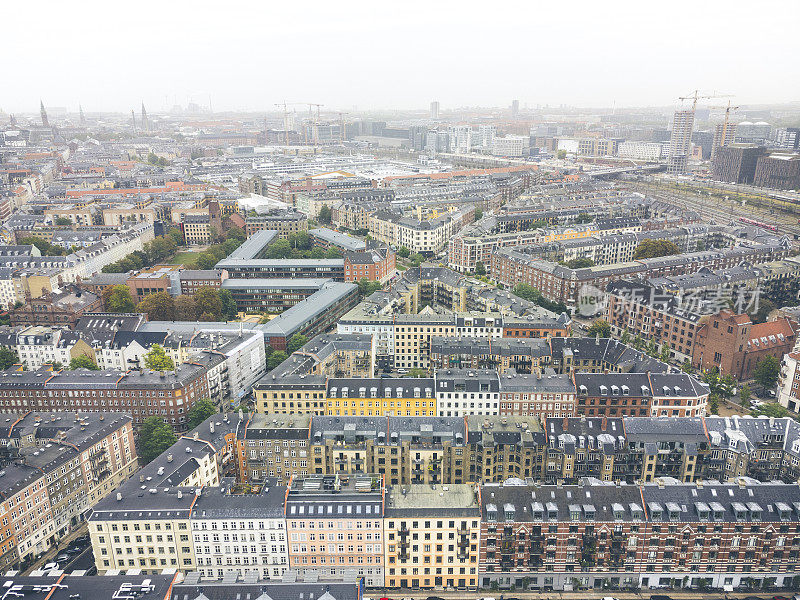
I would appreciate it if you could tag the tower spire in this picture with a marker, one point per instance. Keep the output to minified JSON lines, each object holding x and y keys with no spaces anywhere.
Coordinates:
{"x":81,"y":117}
{"x":145,"y":122}
{"x":133,"y":118}
{"x":43,"y":112}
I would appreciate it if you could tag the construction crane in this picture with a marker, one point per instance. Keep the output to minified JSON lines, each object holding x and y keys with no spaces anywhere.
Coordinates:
{"x":723,"y":139}
{"x":285,"y":106}
{"x":696,"y":96}
{"x":314,"y":123}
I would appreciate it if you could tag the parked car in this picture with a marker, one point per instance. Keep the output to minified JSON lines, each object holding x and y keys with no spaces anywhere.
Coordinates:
{"x":50,"y":566}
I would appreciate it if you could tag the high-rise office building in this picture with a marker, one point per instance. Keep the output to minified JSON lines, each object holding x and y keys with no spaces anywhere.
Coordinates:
{"x":435,"y":109}
{"x":788,"y":138}
{"x":735,"y":163}
{"x":680,"y":141}
{"x":515,"y":109}
{"x":779,"y":170}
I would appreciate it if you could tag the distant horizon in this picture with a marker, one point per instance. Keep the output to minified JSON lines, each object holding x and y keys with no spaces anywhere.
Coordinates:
{"x":250,"y":56}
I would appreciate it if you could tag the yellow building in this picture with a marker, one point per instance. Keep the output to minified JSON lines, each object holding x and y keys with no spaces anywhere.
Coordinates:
{"x":432,"y":535}
{"x":291,"y":395}
{"x":406,"y":397}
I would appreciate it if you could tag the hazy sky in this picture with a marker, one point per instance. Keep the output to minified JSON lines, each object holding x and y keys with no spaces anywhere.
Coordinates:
{"x":383,"y":54}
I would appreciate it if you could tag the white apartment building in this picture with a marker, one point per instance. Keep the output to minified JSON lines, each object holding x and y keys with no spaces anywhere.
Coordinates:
{"x":242,"y":533}
{"x":789,"y":382}
{"x":463,"y":392}
{"x":642,"y":150}
{"x":38,"y":345}
{"x":510,"y":145}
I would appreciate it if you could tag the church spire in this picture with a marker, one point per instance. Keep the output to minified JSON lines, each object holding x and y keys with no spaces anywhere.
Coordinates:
{"x":43,"y":112}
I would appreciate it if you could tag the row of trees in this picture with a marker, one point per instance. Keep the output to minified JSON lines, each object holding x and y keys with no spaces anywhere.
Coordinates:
{"x":299,"y":245}
{"x":530,"y":293}
{"x":234,"y":237}
{"x":152,"y":252}
{"x":415,"y":259}
{"x":207,"y":304}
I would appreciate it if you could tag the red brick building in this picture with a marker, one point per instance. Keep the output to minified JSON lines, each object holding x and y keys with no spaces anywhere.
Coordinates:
{"x":60,"y":309}
{"x":735,"y":345}
{"x":377,"y":264}
{"x":140,"y":394}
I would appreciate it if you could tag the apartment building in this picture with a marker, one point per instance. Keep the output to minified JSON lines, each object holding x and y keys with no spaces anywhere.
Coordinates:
{"x":334,"y":526}
{"x":291,"y":394}
{"x":462,"y":392}
{"x":538,"y":395}
{"x":648,"y":536}
{"x":379,"y":397}
{"x":640,"y":394}
{"x":193,"y":279}
{"x":285,"y":222}
{"x":40,"y":345}
{"x":168,"y":395}
{"x":253,"y":545}
{"x":432,"y":536}
{"x":56,"y":466}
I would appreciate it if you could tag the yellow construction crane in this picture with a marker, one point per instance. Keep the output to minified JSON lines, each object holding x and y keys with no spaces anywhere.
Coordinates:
{"x":285,"y":106}
{"x":723,"y":140}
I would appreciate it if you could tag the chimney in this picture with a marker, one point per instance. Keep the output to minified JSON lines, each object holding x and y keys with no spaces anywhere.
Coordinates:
{"x":604,"y":423}
{"x":566,"y":423}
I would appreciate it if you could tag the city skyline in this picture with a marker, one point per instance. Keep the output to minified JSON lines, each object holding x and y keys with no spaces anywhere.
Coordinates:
{"x":371,"y":58}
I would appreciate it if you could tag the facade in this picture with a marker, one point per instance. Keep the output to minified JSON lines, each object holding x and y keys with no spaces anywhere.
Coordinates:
{"x":377,"y":264}
{"x":141,"y":393}
{"x":56,"y":466}
{"x":335,"y":526}
{"x":680,"y":142}
{"x":735,"y":345}
{"x":191,"y":279}
{"x":285,"y":222}
{"x":736,"y":163}
{"x":779,"y":171}
{"x":61,"y":308}
{"x":432,"y":536}
{"x":461,"y":392}
{"x":379,"y":397}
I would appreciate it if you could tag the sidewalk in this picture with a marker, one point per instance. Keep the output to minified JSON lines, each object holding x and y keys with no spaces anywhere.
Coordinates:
{"x":48,"y":556}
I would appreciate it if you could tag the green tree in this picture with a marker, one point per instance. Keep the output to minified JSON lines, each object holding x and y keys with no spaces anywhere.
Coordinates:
{"x":721,"y":386}
{"x":157,"y":359}
{"x":296,"y":342}
{"x":120,"y":300}
{"x":655,"y":248}
{"x":206,"y":261}
{"x":367,"y":287}
{"x":158,"y":307}
{"x":580,"y":263}
{"x":83,"y":362}
{"x":403,"y":252}
{"x":626,"y":337}
{"x":417,"y":259}
{"x":601,"y":327}
{"x":665,"y":353}
{"x":185,"y":308}
{"x":276,"y":358}
{"x":208,"y":302}
{"x":325,"y":214}
{"x":767,"y":371}
{"x":770,"y":410}
{"x":155,"y":437}
{"x":45,"y":247}
{"x":8,"y":357}
{"x":279,"y":249}
{"x":744,"y":395}
{"x":177,"y":235}
{"x":687,"y":367}
{"x":63,"y":222}
{"x":561,"y":154}
{"x":765,"y":307}
{"x":200,"y":411}
{"x":584,"y":218}
{"x":478,"y":214}
{"x":229,"y":309}
{"x":713,"y":404}
{"x":479,"y":268}
{"x":417,"y":372}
